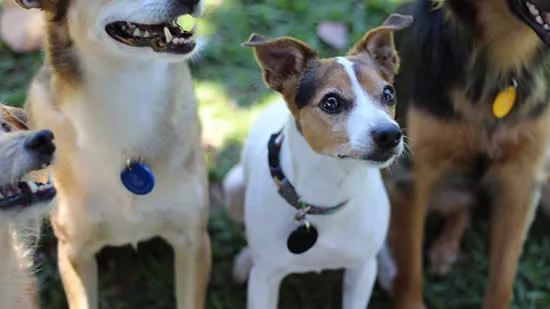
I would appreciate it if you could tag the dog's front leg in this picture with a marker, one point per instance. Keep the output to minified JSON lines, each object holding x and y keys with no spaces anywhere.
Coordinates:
{"x":263,"y":287}
{"x":516,"y":192}
{"x":192,"y":263}
{"x":358,"y":285}
{"x":406,"y":237}
{"x":78,"y":269}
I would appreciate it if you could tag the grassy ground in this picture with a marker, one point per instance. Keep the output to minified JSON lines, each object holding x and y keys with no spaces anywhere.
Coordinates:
{"x":230,"y":91}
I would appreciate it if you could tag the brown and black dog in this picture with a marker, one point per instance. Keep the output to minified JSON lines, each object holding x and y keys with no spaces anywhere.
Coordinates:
{"x":473,"y":96}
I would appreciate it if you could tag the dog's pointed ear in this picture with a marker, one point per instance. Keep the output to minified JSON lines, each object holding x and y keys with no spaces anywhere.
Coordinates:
{"x":379,"y":43}
{"x":281,"y":59}
{"x":30,"y":4}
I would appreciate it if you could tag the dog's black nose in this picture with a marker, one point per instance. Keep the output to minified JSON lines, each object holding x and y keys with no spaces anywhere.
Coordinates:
{"x":386,"y":137}
{"x":41,"y":142}
{"x":189,"y":5}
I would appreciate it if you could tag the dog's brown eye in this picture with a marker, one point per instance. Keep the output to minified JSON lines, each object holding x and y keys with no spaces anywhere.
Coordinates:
{"x":6,"y":127}
{"x":389,"y":95}
{"x":331,"y":104}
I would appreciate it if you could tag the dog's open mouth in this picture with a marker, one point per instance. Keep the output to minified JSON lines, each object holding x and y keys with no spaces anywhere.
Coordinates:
{"x":167,"y":37}
{"x":536,"y":14}
{"x":26,"y":194}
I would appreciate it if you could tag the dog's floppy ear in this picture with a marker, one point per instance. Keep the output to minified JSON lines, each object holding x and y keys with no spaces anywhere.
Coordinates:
{"x":379,"y":44}
{"x":281,"y":59}
{"x":30,"y":4}
{"x":17,"y":113}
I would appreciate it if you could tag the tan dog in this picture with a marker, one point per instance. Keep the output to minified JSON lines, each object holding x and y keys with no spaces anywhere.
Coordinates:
{"x":21,"y":152}
{"x":124,"y":110}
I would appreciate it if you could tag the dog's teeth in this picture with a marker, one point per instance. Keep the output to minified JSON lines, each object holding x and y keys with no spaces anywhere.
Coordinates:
{"x":32,"y":186}
{"x":137,"y":32}
{"x":1,"y":196}
{"x":533,"y":10}
{"x":539,"y":20}
{"x":146,"y":34}
{"x":50,"y":178}
{"x":168,"y":35}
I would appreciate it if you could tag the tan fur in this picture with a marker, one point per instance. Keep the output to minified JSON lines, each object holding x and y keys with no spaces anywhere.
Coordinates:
{"x":90,"y":213}
{"x":515,"y":179}
{"x":21,"y":30}
{"x":444,"y":148}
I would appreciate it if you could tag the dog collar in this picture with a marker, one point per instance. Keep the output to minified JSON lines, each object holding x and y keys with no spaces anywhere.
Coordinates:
{"x":285,"y":188}
{"x":505,"y":100}
{"x":137,"y":178}
{"x":305,"y":235}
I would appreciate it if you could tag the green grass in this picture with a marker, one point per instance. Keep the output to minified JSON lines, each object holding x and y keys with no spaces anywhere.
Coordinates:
{"x":230,"y":90}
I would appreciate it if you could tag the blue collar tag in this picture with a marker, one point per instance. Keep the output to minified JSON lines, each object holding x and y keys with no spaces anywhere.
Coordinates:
{"x":138,"y":178}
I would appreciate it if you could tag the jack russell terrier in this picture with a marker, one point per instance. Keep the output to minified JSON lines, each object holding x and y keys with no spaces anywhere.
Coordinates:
{"x":22,"y":152}
{"x":309,"y":177}
{"x":117,"y":92}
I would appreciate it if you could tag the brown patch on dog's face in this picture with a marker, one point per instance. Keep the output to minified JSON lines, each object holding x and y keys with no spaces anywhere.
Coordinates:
{"x":334,"y":133}
{"x":343,"y":105}
{"x":326,"y":132}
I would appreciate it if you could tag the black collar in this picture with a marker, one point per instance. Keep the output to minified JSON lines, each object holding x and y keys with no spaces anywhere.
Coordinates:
{"x":285,"y":188}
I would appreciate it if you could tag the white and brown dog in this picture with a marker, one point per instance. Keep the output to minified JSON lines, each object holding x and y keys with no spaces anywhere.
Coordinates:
{"x":117,"y":92}
{"x":312,"y":193}
{"x":21,"y":153}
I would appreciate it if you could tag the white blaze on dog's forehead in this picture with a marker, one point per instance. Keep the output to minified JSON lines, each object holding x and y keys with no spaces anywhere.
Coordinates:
{"x":356,"y":86}
{"x":365,"y":113}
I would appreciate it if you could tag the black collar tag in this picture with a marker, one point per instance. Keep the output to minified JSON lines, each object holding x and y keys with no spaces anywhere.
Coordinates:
{"x":303,"y":238}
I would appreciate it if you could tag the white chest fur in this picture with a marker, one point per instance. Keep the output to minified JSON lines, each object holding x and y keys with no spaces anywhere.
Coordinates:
{"x":133,"y":111}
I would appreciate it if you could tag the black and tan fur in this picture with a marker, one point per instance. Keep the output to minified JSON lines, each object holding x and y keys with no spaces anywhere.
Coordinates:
{"x":455,"y":59}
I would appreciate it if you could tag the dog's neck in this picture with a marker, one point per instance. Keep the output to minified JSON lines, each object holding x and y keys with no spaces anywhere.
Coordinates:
{"x":319,"y":179}
{"x":132,"y":97}
{"x":114,"y":71}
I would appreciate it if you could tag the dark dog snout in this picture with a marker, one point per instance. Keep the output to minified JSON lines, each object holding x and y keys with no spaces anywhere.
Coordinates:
{"x":386,"y":137}
{"x":188,"y":6}
{"x":41,"y":143}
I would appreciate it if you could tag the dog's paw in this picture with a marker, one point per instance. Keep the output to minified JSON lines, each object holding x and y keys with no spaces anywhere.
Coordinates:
{"x":387,"y":270}
{"x":443,"y":255}
{"x":242,"y":266}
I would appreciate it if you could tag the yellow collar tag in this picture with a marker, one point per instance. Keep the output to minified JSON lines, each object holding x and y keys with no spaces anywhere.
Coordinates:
{"x":504,"y":102}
